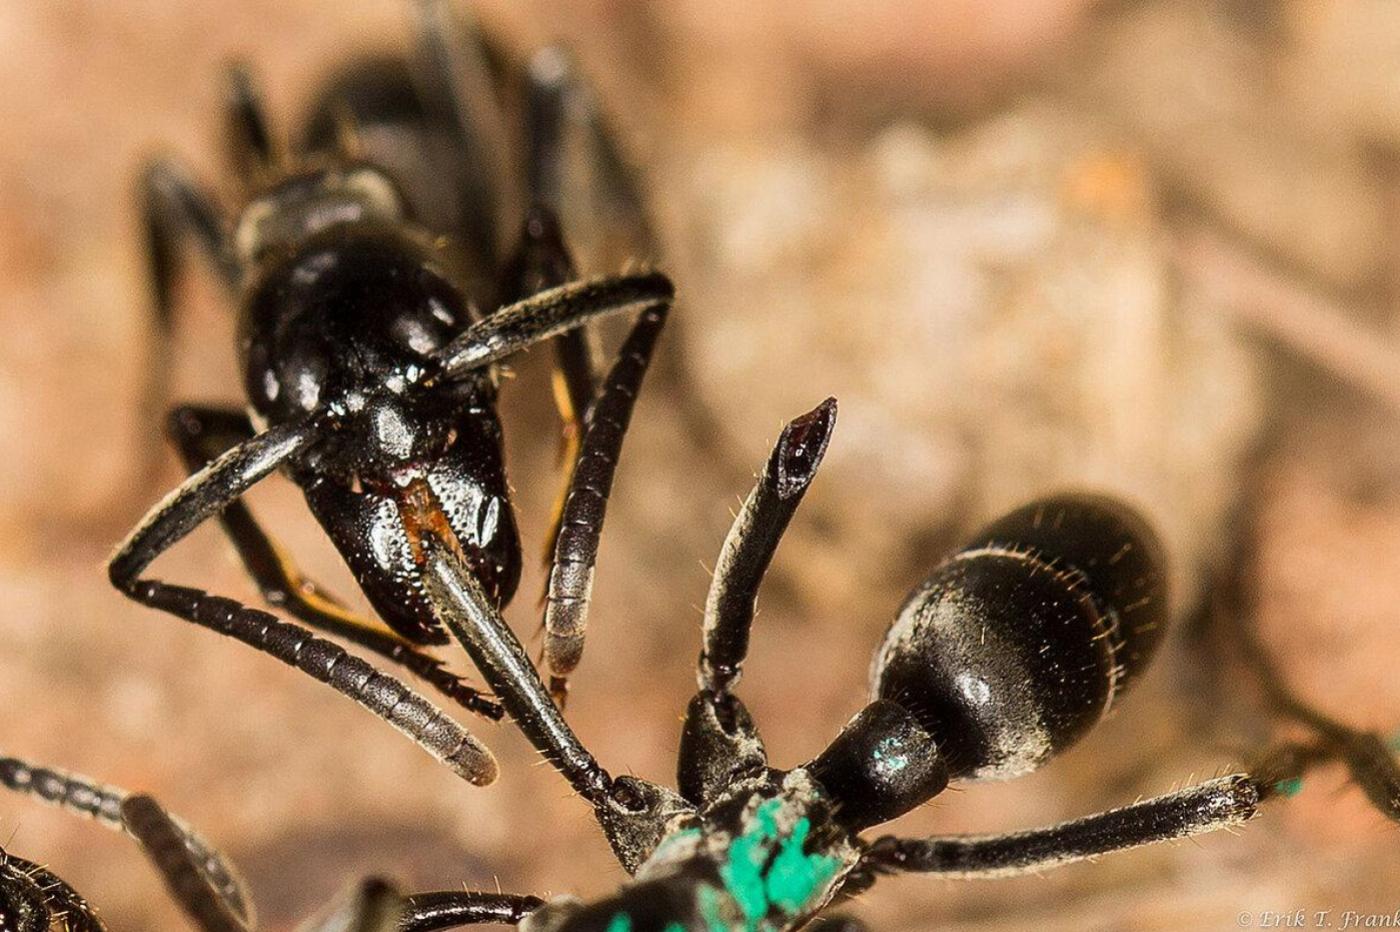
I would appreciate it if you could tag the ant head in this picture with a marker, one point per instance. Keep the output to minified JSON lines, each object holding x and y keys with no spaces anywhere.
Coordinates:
{"x":1019,"y":643}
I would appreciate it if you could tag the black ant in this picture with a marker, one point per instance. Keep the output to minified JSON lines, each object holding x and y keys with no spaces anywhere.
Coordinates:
{"x":370,"y":322}
{"x":372,"y":386}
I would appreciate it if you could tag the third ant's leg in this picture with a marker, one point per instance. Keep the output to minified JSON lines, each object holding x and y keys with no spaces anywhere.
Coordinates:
{"x":1233,"y":603}
{"x":164,"y":844}
{"x":1223,"y":803}
{"x":201,"y":434}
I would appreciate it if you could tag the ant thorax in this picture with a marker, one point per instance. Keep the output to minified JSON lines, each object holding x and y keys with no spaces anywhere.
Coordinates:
{"x":762,"y":857}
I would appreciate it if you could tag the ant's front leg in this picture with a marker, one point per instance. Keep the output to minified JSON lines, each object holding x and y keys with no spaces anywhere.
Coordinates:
{"x":425,"y":912}
{"x":720,"y":742}
{"x":1233,"y":603}
{"x":586,"y":501}
{"x":545,"y":315}
{"x":208,"y":492}
{"x":202,"y":434}
{"x":374,"y":905}
{"x":164,"y":843}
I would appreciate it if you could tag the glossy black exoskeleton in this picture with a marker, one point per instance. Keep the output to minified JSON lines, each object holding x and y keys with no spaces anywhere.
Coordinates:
{"x":368,"y":341}
{"x":1082,"y":577}
{"x":371,"y":294}
{"x":351,"y":322}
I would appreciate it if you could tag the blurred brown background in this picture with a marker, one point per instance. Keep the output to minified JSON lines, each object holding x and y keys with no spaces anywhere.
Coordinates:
{"x":1027,"y":244}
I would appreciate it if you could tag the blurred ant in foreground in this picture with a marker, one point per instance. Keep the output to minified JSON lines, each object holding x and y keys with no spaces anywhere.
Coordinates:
{"x":373,"y":308}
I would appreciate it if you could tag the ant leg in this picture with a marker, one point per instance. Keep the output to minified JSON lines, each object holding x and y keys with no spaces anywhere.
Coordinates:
{"x":555,"y":104}
{"x":497,"y":653}
{"x":174,"y":208}
{"x":453,"y":75}
{"x":103,"y":804}
{"x":164,"y":844}
{"x":558,"y":102}
{"x":374,"y":905}
{"x":429,"y":911}
{"x":548,"y":314}
{"x":208,"y":492}
{"x":424,"y":723}
{"x":1369,"y":758}
{"x":585,"y":505}
{"x":201,"y":434}
{"x":1217,"y":804}
{"x":720,"y":742}
{"x":633,"y":813}
{"x":204,"y":494}
{"x":541,"y":261}
{"x":251,"y":148}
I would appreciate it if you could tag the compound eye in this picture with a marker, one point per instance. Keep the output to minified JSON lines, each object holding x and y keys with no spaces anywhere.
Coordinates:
{"x":1019,"y":643}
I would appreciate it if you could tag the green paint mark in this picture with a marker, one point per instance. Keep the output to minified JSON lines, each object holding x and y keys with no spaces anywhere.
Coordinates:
{"x":795,"y":877}
{"x":712,"y":910}
{"x":673,"y":927}
{"x":1394,"y":742}
{"x":743,"y":873}
{"x":758,"y":880}
{"x":620,"y":923}
{"x":767,"y":817}
{"x":1290,"y":787}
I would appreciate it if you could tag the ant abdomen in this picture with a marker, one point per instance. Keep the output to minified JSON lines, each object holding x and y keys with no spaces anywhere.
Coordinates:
{"x":1020,"y":642}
